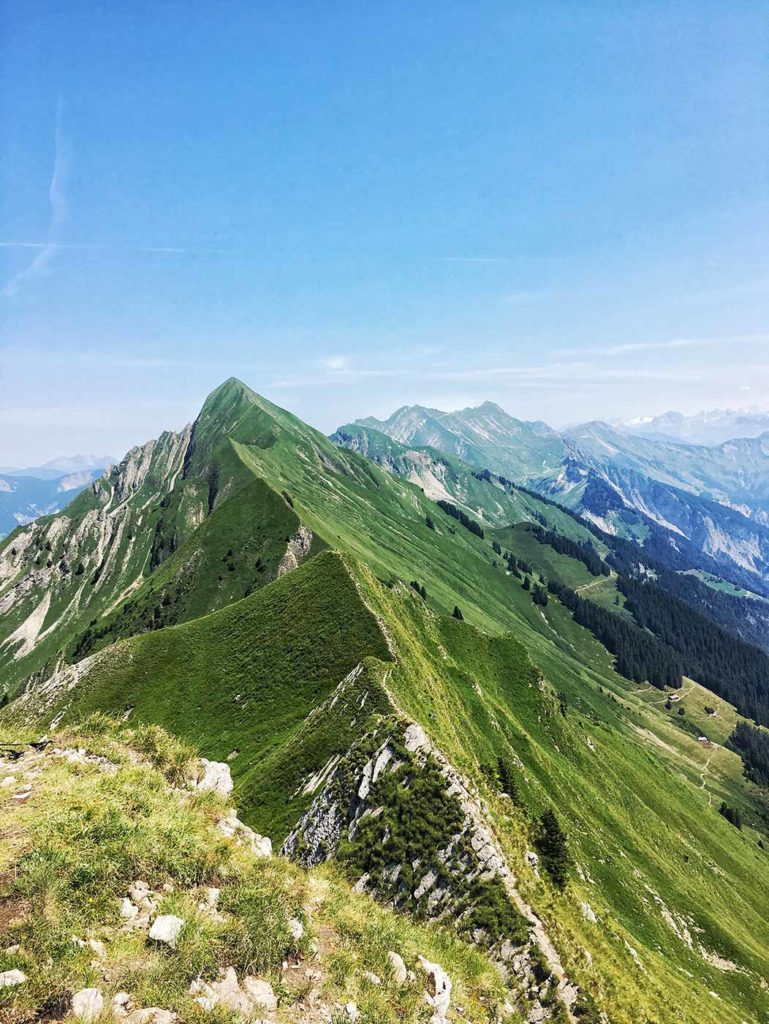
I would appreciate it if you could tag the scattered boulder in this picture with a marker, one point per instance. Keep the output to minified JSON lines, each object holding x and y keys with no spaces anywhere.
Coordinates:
{"x":255,"y":994}
{"x":373,"y":978}
{"x":121,"y":1004}
{"x":10,"y":978}
{"x":296,"y":928}
{"x":233,"y":828}
{"x":87,"y":1004}
{"x":166,"y":928}
{"x":438,"y":992}
{"x":352,"y":1011}
{"x":588,"y":913}
{"x":260,"y":992}
{"x":128,"y":910}
{"x":151,"y":1015}
{"x":216,"y":777}
{"x":400,"y":974}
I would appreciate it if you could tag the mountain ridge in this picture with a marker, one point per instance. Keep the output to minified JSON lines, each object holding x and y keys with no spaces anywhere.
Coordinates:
{"x":295,"y":608}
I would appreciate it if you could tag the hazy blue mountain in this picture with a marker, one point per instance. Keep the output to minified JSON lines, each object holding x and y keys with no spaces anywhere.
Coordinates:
{"x":708,"y":427}
{"x":44,"y":490}
{"x":714,"y":497}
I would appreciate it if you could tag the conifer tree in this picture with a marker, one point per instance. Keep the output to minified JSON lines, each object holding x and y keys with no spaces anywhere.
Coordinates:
{"x":553,"y":848}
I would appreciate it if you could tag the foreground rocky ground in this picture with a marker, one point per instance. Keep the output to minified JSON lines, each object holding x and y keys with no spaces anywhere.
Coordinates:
{"x":130,"y":891}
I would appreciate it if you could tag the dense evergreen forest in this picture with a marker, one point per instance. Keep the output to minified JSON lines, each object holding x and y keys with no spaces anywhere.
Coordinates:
{"x":744,"y":617}
{"x":729,"y":667}
{"x":467,"y":521}
{"x":753,"y":747}
{"x":638,"y":654}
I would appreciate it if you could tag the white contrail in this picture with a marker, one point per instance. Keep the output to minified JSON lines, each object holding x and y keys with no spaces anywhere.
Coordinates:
{"x":58,"y":201}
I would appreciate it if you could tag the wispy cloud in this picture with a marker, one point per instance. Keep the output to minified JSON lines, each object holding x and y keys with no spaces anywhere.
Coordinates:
{"x":170,"y":250}
{"x":58,"y":202}
{"x":555,"y":374}
{"x":631,"y":347}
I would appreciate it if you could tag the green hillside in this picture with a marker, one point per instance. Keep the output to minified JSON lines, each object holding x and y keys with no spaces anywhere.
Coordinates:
{"x":297,"y":671}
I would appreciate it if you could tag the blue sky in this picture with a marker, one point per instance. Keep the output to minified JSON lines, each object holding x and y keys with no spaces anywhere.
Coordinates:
{"x":561,"y":207}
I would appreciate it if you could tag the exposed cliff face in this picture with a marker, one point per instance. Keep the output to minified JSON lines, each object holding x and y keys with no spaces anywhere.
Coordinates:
{"x":412,"y":832}
{"x":57,"y":571}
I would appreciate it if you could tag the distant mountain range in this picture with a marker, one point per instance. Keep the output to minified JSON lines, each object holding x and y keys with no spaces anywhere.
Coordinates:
{"x":715,"y":499}
{"x":43,"y":490}
{"x":711,"y":427}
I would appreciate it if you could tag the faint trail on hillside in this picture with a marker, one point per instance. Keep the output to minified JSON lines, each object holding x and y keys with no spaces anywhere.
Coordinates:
{"x":703,"y":774}
{"x":594,"y":583}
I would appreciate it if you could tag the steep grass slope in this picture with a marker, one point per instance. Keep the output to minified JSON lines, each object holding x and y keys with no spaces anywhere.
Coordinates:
{"x":241,"y":684}
{"x":662,"y":918}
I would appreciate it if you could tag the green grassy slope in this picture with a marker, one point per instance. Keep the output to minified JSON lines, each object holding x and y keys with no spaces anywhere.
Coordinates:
{"x":107,"y":805}
{"x":654,"y":856}
{"x":637,"y":793}
{"x":240,"y":683}
{"x":655,"y":859}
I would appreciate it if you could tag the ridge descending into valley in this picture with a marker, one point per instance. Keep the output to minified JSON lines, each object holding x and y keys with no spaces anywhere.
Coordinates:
{"x":713,"y":499}
{"x":407,"y":689}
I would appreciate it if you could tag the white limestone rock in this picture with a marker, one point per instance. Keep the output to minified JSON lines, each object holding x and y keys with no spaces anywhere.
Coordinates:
{"x":260,"y":993}
{"x":438,"y":992}
{"x":87,"y":1004}
{"x":166,"y":928}
{"x":400,"y":974}
{"x":10,"y":978}
{"x":216,"y":777}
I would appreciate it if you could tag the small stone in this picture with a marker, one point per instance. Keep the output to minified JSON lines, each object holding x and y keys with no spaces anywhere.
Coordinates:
{"x":128,"y":910}
{"x":588,"y":913}
{"x":121,"y":1005}
{"x":438,"y":994}
{"x":230,"y":995}
{"x":260,"y":992}
{"x":98,"y":948}
{"x":373,"y":978}
{"x":151,"y":1015}
{"x":139,"y":891}
{"x":261,"y":845}
{"x":10,"y":950}
{"x":400,"y":974}
{"x":216,"y":777}
{"x":166,"y":929}
{"x":87,"y":1004}
{"x":352,"y":1011}
{"x":10,"y":978}
{"x":296,"y":928}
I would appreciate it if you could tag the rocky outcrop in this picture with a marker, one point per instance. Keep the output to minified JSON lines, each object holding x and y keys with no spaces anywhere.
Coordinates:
{"x":298,"y":549}
{"x":351,"y":809}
